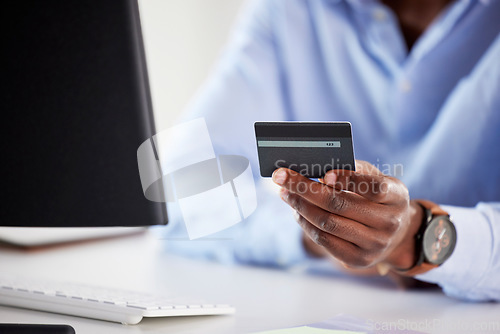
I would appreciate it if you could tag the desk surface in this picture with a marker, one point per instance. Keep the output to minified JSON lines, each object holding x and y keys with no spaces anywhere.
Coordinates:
{"x":264,"y":298}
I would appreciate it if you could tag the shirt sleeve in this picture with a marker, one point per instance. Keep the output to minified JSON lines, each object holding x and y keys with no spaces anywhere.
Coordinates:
{"x":473,"y":270}
{"x":246,"y":86}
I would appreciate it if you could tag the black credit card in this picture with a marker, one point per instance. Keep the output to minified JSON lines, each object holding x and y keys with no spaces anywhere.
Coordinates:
{"x":309,"y":148}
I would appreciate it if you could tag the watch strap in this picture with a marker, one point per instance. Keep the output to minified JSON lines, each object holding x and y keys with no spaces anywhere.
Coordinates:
{"x":432,"y":210}
{"x":436,"y":210}
{"x":419,"y":269}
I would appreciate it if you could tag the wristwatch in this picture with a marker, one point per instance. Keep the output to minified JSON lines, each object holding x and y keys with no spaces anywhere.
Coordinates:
{"x":435,"y":240}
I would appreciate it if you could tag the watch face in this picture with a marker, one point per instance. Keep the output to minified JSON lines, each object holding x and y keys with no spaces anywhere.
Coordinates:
{"x":439,"y":240}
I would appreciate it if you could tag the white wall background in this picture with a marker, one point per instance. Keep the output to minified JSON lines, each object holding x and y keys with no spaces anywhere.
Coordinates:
{"x":183,"y":38}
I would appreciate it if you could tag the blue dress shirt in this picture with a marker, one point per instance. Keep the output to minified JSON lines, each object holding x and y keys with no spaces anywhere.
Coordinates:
{"x":429,"y":116}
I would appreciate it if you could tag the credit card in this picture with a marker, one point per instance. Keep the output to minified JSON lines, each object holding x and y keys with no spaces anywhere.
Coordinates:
{"x":309,"y":148}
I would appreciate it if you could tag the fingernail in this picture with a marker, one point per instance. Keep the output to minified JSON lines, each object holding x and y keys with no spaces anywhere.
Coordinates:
{"x":330,"y":178}
{"x":279,"y":176}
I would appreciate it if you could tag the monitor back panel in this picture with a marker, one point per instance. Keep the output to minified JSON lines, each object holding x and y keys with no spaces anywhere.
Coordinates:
{"x":76,"y":106}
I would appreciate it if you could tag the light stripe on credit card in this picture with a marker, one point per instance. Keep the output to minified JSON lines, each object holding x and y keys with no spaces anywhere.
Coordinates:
{"x":297,"y":143}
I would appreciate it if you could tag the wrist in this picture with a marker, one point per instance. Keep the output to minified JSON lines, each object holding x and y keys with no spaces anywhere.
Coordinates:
{"x":435,"y":240}
{"x":404,"y":256}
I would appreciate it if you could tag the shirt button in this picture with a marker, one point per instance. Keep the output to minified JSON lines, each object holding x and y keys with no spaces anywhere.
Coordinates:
{"x":379,"y":14}
{"x":405,"y":86}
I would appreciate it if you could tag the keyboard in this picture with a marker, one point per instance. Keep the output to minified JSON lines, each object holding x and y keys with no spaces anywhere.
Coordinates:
{"x":126,"y":307}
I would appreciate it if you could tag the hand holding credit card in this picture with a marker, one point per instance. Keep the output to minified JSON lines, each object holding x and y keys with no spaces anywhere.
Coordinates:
{"x":309,"y":148}
{"x":362,"y":218}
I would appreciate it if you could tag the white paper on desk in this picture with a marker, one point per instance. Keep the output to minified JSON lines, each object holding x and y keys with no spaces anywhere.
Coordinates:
{"x":340,"y":324}
{"x":356,"y":325}
{"x":308,"y":330}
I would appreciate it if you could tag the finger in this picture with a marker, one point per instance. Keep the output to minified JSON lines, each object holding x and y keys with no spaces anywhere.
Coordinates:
{"x":376,"y":188}
{"x":364,"y":167}
{"x":345,"y":204}
{"x":342,"y":250}
{"x":344,"y":228}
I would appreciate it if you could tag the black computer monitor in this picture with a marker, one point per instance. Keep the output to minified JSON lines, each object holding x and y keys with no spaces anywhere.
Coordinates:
{"x":76,"y":106}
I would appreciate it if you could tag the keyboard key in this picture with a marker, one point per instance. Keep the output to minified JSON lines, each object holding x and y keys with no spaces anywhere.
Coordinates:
{"x":110,"y":304}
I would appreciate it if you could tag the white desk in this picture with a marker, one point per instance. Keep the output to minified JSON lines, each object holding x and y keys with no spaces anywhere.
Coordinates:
{"x":264,"y":298}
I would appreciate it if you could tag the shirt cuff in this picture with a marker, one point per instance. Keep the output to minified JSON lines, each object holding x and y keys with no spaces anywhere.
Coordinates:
{"x":470,"y":260}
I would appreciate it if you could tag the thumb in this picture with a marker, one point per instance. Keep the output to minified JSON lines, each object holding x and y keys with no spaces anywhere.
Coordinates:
{"x":364,"y":167}
{"x":335,"y":176}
